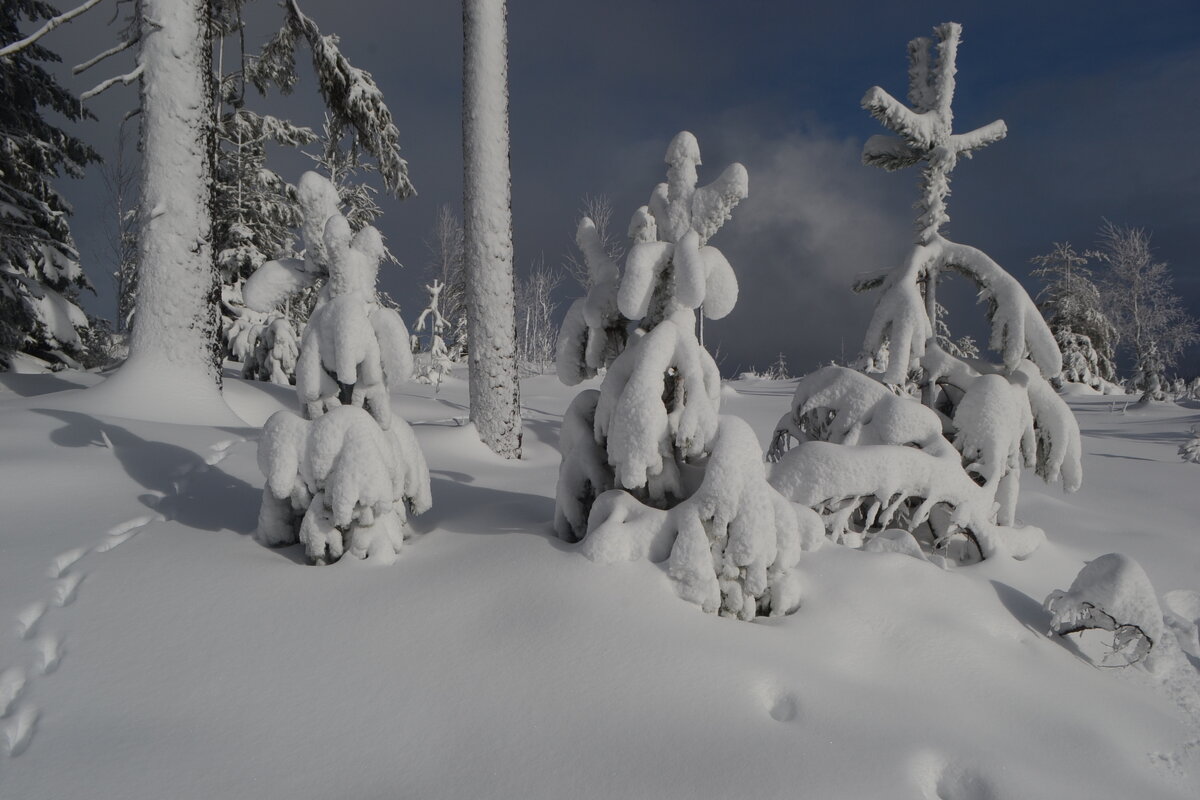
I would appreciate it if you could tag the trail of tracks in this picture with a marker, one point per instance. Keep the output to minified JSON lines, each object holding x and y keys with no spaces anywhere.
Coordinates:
{"x":18,"y":718}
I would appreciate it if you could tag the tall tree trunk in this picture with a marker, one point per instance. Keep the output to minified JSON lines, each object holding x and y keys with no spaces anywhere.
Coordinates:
{"x":171,"y":372}
{"x":495,"y":389}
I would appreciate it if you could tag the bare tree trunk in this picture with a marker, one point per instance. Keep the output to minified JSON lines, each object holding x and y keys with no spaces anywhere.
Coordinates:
{"x":495,"y":389}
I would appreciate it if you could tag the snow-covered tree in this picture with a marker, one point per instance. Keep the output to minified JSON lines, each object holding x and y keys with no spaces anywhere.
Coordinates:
{"x":1150,"y":319}
{"x":445,"y":244}
{"x":1073,"y":309}
{"x":254,"y":209}
{"x":40,"y":276}
{"x":351,"y":95}
{"x":649,"y":467}
{"x":999,"y":417}
{"x":437,"y":363}
{"x":343,"y":478}
{"x":1190,"y":449}
{"x":495,"y":389}
{"x":598,"y":208}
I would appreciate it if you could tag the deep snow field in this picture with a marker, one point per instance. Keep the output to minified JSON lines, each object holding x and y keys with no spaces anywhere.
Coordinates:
{"x":151,"y":649}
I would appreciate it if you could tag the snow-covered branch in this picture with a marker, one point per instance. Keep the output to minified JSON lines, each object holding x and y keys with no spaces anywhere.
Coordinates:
{"x":127,"y":78}
{"x":50,"y":25}
{"x":112,"y":51}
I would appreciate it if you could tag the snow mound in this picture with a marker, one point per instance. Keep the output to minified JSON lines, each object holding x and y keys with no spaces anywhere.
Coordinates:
{"x":1110,"y":593}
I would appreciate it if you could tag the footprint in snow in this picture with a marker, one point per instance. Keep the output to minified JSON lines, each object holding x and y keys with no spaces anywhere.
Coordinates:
{"x":782,"y":705}
{"x":49,"y":654}
{"x":18,"y":731}
{"x":65,"y":561}
{"x":66,"y":587}
{"x":941,"y":779}
{"x":12,"y":684}
{"x":28,"y":619}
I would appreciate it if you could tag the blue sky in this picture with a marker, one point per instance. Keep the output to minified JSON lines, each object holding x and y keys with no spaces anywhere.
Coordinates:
{"x":1101,"y":101}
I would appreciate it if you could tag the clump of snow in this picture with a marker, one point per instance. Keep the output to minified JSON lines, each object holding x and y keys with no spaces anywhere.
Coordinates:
{"x":1190,"y":450}
{"x":844,"y":406}
{"x":584,"y":473}
{"x":594,"y":330}
{"x":730,"y":548}
{"x":1111,"y":593}
{"x":340,"y":484}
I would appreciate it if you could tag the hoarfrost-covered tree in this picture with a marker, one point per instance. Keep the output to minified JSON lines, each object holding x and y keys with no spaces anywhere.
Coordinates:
{"x":1150,"y":319}
{"x":446,"y":266}
{"x":436,"y":363}
{"x":40,"y":276}
{"x":1073,"y":309}
{"x":997,"y":417}
{"x":649,"y":467}
{"x":344,"y":477}
{"x":495,"y":389}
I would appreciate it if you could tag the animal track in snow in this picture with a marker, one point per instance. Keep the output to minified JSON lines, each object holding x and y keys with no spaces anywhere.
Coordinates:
{"x":49,"y":653}
{"x":64,"y":561}
{"x":785,"y":708}
{"x":19,"y":730}
{"x":19,"y":727}
{"x":941,"y":779}
{"x":28,"y":619}
{"x":782,"y":705}
{"x":12,"y":684}
{"x":66,"y":587}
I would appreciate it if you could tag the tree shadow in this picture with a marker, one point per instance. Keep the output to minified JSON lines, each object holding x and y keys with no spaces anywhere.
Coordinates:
{"x":461,"y":506}
{"x":1025,"y":609}
{"x":181,"y":486}
{"x":37,"y":384}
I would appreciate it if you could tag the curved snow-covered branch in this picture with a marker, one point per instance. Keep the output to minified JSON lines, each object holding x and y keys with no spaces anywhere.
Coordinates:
{"x":916,"y":129}
{"x":112,"y":51}
{"x":1017,"y":325}
{"x":126,"y":79}
{"x":50,"y":25}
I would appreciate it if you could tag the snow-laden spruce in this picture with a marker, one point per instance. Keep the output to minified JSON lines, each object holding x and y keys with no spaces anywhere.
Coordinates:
{"x":1111,"y":593}
{"x":952,"y":467}
{"x":340,"y":484}
{"x":40,"y":275}
{"x":649,"y":469}
{"x":343,"y":478}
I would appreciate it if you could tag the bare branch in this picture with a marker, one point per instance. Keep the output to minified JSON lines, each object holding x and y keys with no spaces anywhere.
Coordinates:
{"x":50,"y":25}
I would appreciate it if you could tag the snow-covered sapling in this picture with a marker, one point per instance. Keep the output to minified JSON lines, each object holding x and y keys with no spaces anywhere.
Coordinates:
{"x":1190,"y":450}
{"x":999,"y":417}
{"x":649,"y":468}
{"x":1111,"y":593}
{"x":438,"y":363}
{"x":340,"y":484}
{"x":344,"y":477}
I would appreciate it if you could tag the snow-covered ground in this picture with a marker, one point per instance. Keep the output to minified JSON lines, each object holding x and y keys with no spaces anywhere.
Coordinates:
{"x":153,"y":650}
